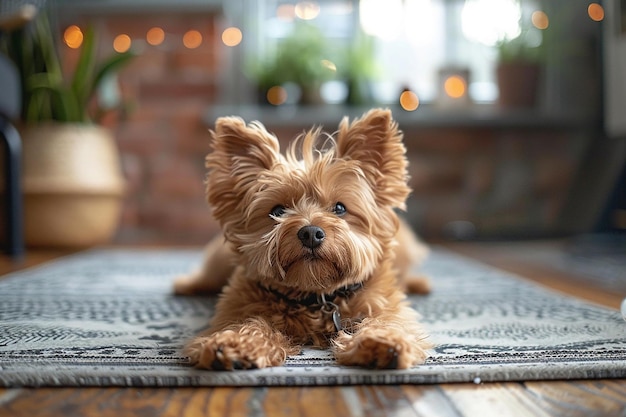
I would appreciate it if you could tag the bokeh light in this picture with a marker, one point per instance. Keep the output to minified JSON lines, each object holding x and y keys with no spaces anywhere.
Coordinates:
{"x":409,"y":100}
{"x":73,"y":37}
{"x":329,"y":65}
{"x":155,"y":36}
{"x":122,"y":43}
{"x":232,"y":36}
{"x":540,"y":20}
{"x":276,"y":95}
{"x":596,"y":12}
{"x":455,"y":86}
{"x":307,"y":10}
{"x":192,"y":39}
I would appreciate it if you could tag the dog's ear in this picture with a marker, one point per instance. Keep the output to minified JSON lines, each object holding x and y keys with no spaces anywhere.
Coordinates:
{"x":376,"y":142}
{"x":240,"y":153}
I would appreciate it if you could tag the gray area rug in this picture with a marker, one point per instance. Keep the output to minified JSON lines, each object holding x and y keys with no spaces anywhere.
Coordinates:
{"x":107,"y":318}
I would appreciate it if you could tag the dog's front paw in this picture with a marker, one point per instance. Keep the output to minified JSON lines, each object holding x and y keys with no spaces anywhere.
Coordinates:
{"x":184,"y":285}
{"x":243,"y":348}
{"x":380,"y":348}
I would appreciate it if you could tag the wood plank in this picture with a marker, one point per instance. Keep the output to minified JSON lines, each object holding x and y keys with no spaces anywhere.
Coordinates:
{"x":388,"y":400}
{"x":493,"y":399}
{"x":430,"y":400}
{"x":580,"y":398}
{"x":32,"y":258}
{"x":304,"y":402}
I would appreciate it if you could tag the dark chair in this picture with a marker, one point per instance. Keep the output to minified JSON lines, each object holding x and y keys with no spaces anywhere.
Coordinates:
{"x":10,"y":104}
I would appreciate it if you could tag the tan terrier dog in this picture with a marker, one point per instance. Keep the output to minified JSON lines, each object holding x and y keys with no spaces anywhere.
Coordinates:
{"x":313,"y":252}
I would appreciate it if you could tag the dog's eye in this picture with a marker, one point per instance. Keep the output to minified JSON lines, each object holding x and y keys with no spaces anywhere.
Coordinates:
{"x":339,"y":209}
{"x":277,"y":211}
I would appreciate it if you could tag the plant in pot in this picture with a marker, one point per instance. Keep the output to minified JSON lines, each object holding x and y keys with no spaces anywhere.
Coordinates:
{"x":72,"y":181}
{"x":359,"y":69}
{"x":519,"y":68}
{"x":301,"y":58}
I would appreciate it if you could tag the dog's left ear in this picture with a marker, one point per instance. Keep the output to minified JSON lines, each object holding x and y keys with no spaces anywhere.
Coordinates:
{"x":375,"y":141}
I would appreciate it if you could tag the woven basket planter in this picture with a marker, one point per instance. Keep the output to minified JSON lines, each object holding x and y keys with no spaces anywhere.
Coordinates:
{"x":73,"y":186}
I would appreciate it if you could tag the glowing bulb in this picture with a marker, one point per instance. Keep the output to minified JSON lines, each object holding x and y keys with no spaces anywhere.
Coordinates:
{"x":307,"y":10}
{"x":455,"y":86}
{"x":192,"y":39}
{"x":73,"y":37}
{"x":409,"y":100}
{"x":276,"y":95}
{"x":540,"y":20}
{"x":155,"y":36}
{"x":122,"y":43}
{"x":232,"y":36}
{"x":596,"y":12}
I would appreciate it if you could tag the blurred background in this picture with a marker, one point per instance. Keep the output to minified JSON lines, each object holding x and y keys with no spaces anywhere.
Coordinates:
{"x":513,"y":111}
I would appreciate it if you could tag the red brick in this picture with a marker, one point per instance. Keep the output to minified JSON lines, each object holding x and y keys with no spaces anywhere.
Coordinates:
{"x":435,"y":173}
{"x":177,"y":179}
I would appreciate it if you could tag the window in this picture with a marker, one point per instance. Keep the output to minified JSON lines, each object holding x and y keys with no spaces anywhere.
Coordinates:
{"x":411,"y":41}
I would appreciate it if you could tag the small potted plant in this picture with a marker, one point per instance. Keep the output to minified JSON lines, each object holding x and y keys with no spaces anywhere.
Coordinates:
{"x":359,"y":69}
{"x":518,"y":69}
{"x":300,"y":59}
{"x":72,"y":180}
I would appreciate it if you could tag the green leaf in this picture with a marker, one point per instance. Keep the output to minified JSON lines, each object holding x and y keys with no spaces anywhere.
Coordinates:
{"x":83,"y":74}
{"x":44,"y":39}
{"x":114,"y":63}
{"x":62,"y":100}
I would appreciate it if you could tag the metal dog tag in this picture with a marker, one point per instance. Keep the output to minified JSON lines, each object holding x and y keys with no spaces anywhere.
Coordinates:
{"x":337,"y":319}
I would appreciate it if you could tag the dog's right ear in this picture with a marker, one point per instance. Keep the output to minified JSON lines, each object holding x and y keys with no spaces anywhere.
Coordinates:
{"x":237,"y":145}
{"x":240,"y":153}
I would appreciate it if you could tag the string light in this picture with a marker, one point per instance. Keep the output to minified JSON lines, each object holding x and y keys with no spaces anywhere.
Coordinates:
{"x":73,"y":37}
{"x":232,"y":36}
{"x":540,"y":20}
{"x":455,"y":86}
{"x":307,"y":10}
{"x":192,"y":39}
{"x":122,"y":43}
{"x":155,"y":36}
{"x":595,"y":12}
{"x":409,"y":100}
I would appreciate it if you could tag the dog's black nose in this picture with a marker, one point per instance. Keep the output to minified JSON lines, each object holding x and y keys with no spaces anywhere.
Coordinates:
{"x":311,"y":236}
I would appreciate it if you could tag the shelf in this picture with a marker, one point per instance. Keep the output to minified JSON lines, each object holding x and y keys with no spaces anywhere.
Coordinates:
{"x":425,"y":117}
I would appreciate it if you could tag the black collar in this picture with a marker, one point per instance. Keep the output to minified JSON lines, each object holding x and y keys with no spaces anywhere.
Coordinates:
{"x":311,"y":299}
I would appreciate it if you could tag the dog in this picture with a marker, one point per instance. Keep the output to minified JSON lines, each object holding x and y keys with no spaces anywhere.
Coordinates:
{"x":313,"y":252}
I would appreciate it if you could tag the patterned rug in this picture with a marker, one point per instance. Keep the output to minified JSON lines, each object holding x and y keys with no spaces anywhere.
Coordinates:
{"x":107,"y":318}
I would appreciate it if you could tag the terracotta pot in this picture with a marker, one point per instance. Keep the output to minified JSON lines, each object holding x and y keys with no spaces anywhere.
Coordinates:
{"x":73,"y":186}
{"x":518,"y":83}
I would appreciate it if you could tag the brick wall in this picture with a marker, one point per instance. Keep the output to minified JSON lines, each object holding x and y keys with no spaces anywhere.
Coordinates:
{"x":496,"y":181}
{"x":491,"y":183}
{"x":161,"y":136}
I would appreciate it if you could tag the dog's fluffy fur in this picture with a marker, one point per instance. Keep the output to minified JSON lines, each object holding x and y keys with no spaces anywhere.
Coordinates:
{"x":316,"y":224}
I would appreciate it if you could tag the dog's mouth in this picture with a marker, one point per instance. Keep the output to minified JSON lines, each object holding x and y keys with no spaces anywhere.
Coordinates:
{"x":312,"y":270}
{"x":311,"y":256}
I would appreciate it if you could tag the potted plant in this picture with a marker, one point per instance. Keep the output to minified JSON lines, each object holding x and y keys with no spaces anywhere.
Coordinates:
{"x":299,"y":59}
{"x":359,"y":69}
{"x":518,"y":69}
{"x":72,"y":180}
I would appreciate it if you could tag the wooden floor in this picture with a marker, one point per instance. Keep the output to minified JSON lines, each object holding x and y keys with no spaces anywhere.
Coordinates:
{"x":532,"y":398}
